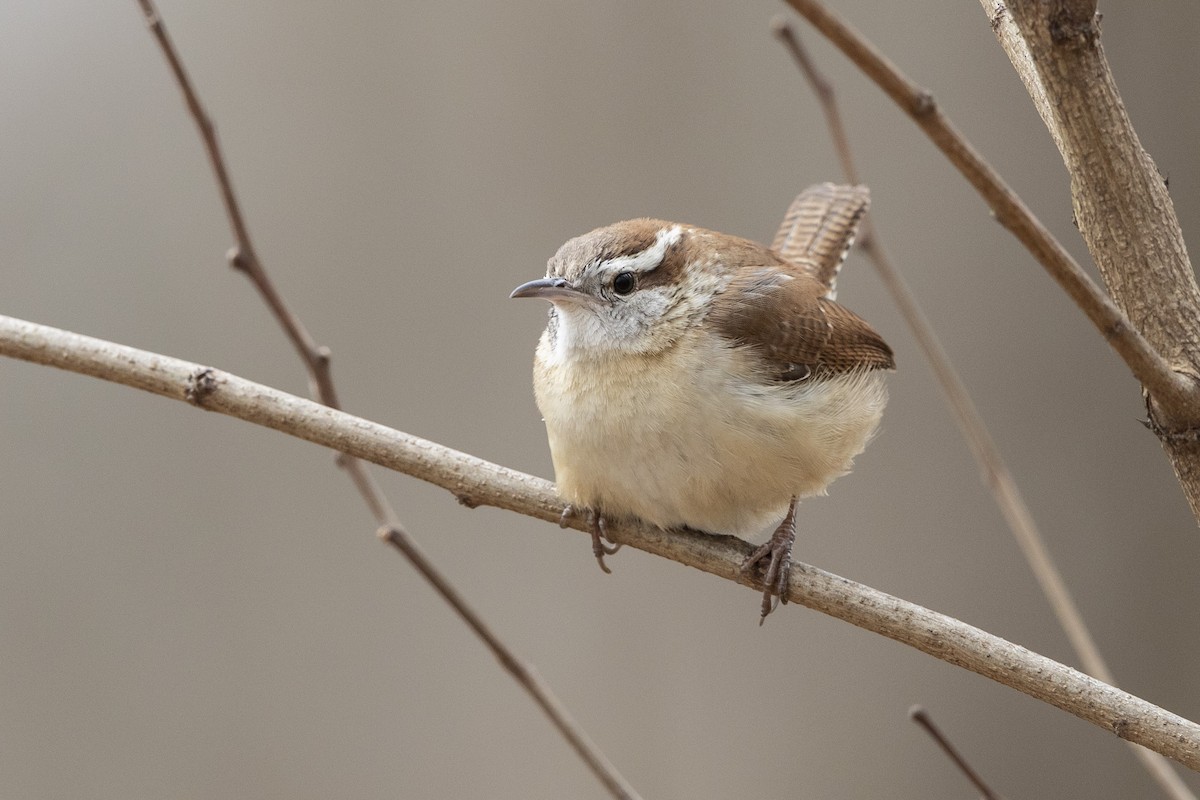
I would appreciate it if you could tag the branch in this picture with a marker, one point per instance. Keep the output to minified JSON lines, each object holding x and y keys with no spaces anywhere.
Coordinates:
{"x":1167,"y":386}
{"x":524,"y":673}
{"x":242,"y":255}
{"x":922,"y":718}
{"x":316,"y":358}
{"x":1121,"y":203}
{"x":477,"y":482}
{"x":997,"y":477}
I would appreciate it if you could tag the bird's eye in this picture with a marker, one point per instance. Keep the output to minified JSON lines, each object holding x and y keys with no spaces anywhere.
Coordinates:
{"x":624,"y":283}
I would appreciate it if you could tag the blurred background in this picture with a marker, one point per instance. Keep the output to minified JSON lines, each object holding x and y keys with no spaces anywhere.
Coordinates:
{"x":191,"y":606}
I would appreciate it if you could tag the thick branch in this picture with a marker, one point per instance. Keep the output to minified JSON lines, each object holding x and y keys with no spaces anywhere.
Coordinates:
{"x":476,"y":482}
{"x":1121,"y":202}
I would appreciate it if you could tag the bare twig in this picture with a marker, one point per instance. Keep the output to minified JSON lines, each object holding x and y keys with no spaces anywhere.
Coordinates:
{"x":525,"y":674}
{"x":1121,"y":203}
{"x":1166,"y":385}
{"x":921,"y":717}
{"x":316,"y":360}
{"x":996,"y":474}
{"x":477,"y":482}
{"x":242,"y":255}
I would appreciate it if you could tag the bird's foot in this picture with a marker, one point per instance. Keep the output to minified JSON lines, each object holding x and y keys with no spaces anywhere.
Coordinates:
{"x":777,"y":553}
{"x":598,"y":529}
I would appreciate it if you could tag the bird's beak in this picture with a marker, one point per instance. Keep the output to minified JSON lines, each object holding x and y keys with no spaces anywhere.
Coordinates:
{"x":550,"y":289}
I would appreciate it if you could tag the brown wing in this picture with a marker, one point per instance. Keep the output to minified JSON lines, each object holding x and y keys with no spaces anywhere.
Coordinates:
{"x":781,"y":311}
{"x":819,"y":229}
{"x":853,"y":344}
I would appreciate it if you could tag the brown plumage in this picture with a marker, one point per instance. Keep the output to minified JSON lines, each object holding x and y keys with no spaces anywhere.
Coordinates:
{"x":785,"y":309}
{"x":819,"y":228}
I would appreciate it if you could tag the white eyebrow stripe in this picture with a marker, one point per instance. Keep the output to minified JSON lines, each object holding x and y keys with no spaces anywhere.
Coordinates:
{"x":652,"y":256}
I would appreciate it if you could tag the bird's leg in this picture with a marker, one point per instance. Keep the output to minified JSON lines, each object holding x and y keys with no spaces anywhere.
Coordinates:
{"x":599,"y":533}
{"x":779,"y":569}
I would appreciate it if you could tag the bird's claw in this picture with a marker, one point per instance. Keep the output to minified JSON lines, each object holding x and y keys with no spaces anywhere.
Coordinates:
{"x":599,"y":531}
{"x":777,"y":552}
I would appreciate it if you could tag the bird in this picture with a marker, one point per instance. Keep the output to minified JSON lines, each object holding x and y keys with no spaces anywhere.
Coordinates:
{"x":697,"y":380}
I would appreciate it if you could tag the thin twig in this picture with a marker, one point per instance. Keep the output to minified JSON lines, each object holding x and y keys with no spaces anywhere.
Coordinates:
{"x":983,"y":447}
{"x":242,"y":256}
{"x":525,"y":674}
{"x":477,"y":482}
{"x":921,"y":717}
{"x":1167,"y":386}
{"x":316,"y":358}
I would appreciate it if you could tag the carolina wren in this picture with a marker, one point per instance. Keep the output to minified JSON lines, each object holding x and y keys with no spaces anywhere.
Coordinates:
{"x":697,"y":380}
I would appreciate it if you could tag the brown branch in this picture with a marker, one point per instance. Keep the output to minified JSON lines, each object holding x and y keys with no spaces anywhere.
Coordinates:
{"x":1121,"y":203}
{"x":997,"y":477}
{"x":242,"y":255}
{"x":477,"y":482}
{"x":1168,"y":387}
{"x":922,"y":718}
{"x":316,"y":358}
{"x":524,"y":672}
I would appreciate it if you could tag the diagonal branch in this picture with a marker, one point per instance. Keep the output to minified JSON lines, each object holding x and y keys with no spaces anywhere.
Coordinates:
{"x":242,"y":255}
{"x":316,"y":360}
{"x":524,"y":673}
{"x":998,"y":478}
{"x":477,"y":482}
{"x":1167,"y":386}
{"x":922,"y":718}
